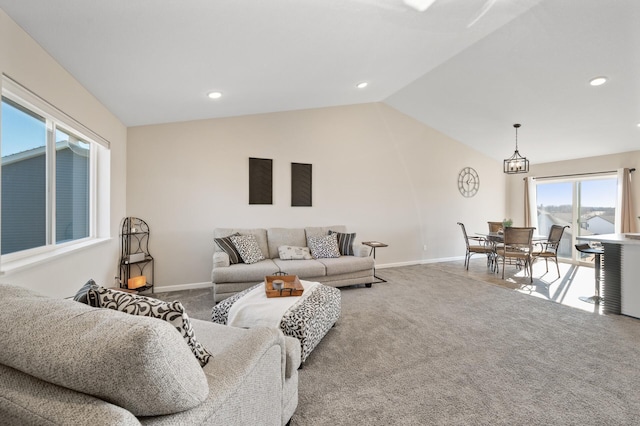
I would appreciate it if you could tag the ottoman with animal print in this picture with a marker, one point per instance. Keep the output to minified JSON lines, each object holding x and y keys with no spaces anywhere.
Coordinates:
{"x":308,"y":317}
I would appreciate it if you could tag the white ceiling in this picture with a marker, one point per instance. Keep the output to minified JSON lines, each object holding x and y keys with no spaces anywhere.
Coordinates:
{"x":468,"y":74}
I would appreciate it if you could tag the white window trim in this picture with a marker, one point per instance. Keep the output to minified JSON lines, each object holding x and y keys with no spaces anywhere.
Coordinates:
{"x":41,"y":106}
{"x":12,"y":262}
{"x":9,"y":267}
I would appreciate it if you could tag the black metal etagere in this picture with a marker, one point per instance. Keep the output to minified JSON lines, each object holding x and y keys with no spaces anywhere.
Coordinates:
{"x":135,"y":259}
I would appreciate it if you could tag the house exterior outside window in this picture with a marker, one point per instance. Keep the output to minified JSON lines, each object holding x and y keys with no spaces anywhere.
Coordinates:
{"x":48,"y":174}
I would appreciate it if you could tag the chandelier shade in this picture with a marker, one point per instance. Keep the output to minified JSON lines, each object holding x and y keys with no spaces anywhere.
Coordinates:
{"x":516,"y":163}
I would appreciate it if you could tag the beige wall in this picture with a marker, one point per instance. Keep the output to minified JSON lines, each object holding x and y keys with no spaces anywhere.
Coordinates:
{"x":515,"y":185}
{"x":384,"y":175}
{"x":26,"y":62}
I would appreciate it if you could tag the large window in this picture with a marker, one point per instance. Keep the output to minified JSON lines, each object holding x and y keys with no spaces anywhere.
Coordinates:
{"x":48,"y":180}
{"x":587,"y":205}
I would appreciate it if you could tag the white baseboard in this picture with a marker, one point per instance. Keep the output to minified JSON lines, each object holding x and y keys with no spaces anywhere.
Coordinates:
{"x":418,"y":262}
{"x":178,"y":287}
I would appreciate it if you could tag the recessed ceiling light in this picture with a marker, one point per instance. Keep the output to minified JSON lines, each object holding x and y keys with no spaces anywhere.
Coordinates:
{"x":598,"y":81}
{"x":362,"y":85}
{"x":214,"y":95}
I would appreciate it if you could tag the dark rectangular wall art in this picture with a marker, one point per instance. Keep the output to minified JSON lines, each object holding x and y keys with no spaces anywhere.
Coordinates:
{"x":260,"y":181}
{"x":300,"y":185}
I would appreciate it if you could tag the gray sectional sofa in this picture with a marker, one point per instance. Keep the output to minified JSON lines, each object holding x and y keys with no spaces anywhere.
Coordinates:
{"x":63,"y":363}
{"x":229,"y":279}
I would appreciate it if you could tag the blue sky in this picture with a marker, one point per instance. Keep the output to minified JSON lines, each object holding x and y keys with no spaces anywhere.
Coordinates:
{"x":595,"y":193}
{"x":20,"y":131}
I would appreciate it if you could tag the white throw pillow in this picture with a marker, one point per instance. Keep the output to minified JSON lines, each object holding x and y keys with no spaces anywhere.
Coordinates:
{"x":294,"y":253}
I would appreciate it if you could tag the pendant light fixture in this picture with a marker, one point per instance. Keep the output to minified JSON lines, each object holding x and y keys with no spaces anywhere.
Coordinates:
{"x":516,"y":163}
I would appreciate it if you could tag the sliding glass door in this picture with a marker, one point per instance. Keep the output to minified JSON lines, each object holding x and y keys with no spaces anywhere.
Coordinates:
{"x":587,"y":205}
{"x":555,"y":207}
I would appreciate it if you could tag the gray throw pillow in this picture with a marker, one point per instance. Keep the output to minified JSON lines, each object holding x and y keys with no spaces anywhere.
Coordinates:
{"x":172,"y":312}
{"x":323,"y":246}
{"x":227,"y":246}
{"x":248,"y":247}
{"x":345,"y":242}
{"x":81,"y":295}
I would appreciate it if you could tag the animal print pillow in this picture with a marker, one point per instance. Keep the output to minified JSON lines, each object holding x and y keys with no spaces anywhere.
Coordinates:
{"x":248,"y":247}
{"x":172,"y":312}
{"x":323,"y":246}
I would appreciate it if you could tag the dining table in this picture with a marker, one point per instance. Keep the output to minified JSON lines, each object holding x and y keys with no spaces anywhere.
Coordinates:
{"x":495,"y":238}
{"x":499,"y":236}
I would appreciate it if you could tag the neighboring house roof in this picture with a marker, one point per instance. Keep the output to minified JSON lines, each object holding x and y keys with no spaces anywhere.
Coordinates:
{"x":608,"y":218}
{"x":35,"y":152}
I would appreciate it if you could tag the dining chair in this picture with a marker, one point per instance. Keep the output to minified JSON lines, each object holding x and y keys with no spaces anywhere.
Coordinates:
{"x":476,"y":245}
{"x":517,"y":244}
{"x":495,"y":226}
{"x":548,"y":249}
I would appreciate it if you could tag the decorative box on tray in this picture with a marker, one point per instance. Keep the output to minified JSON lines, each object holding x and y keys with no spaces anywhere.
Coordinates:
{"x":291,"y":286}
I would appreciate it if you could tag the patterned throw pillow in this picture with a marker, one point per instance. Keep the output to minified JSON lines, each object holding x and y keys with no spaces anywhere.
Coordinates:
{"x":323,"y":246}
{"x":294,"y":253}
{"x":226,"y":245}
{"x":248,"y":247}
{"x":81,"y":295}
{"x":345,"y":242}
{"x":172,"y":312}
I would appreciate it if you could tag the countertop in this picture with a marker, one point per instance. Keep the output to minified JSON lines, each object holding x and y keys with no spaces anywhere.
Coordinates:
{"x":627,"y":238}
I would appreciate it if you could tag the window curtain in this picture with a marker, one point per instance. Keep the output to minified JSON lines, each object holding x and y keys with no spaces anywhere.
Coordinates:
{"x":530,"y":203}
{"x":626,"y":220}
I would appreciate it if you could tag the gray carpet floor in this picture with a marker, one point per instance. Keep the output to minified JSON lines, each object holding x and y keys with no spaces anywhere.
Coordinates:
{"x":435,"y":348}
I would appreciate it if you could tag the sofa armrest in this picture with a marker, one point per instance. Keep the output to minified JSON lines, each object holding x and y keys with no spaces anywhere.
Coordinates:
{"x":220,"y":259}
{"x":219,"y":338}
{"x":245,"y":377}
{"x":293,"y":356}
{"x":239,"y":354}
{"x":360,"y":250}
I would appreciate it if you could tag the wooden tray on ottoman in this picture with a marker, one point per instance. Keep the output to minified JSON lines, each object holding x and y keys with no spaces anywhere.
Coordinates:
{"x":292,"y":286}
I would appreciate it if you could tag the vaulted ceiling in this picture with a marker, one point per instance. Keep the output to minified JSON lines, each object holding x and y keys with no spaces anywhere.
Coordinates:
{"x":468,"y":68}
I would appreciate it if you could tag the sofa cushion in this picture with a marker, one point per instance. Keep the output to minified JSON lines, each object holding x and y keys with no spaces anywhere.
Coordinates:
{"x":345,"y":242}
{"x":285,"y":237}
{"x":243,"y":272}
{"x":323,"y":230}
{"x":26,"y":400}
{"x":301,"y":268}
{"x":226,"y":245}
{"x":248,"y":248}
{"x":172,"y":312}
{"x":323,"y":246}
{"x":347,"y":264}
{"x":294,"y":253}
{"x":138,"y":363}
